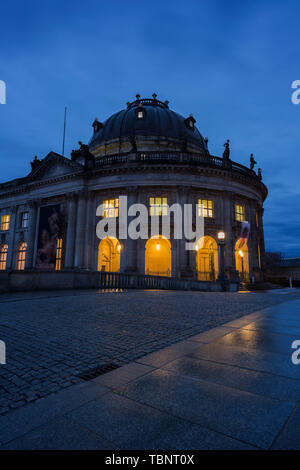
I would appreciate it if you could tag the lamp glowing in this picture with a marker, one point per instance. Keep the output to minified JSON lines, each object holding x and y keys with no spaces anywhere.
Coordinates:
{"x":241,"y":254}
{"x":158,"y":246}
{"x":119,"y":247}
{"x":196,"y":247}
{"x":221,"y":236}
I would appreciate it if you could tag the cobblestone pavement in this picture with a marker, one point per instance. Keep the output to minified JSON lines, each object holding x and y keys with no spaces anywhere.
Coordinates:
{"x":53,"y":337}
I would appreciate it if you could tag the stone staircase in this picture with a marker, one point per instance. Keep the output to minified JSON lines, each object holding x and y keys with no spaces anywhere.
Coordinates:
{"x":257,"y":286}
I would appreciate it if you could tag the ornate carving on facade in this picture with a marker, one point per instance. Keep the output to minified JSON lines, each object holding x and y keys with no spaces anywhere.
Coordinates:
{"x":83,"y":156}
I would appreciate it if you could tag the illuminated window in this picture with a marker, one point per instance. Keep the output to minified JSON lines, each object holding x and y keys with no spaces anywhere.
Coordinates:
{"x":111,"y":208}
{"x":140,"y":114}
{"x":21,"y":256}
{"x":24,"y":219}
{"x":239,"y":212}
{"x":257,"y":220}
{"x":205,"y":208}
{"x":158,"y":206}
{"x":58,"y":254}
{"x":5,"y":219}
{"x":3,"y":257}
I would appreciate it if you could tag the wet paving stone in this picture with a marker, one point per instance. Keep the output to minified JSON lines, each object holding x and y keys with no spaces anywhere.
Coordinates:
{"x":53,"y":337}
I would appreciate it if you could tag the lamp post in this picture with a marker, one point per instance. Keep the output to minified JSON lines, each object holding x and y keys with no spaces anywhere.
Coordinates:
{"x":242,"y":257}
{"x":222,"y":275}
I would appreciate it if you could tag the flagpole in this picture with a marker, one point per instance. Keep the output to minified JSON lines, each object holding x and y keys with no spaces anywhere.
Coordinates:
{"x":64,"y":136}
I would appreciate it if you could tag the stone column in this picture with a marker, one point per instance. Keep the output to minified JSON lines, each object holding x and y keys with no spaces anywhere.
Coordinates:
{"x":261,"y":240}
{"x":185,"y":264}
{"x":227,"y":226}
{"x":80,"y":230}
{"x":71,"y":227}
{"x":10,"y":240}
{"x":90,"y":230}
{"x":129,"y":251}
{"x":253,"y":241}
{"x":32,"y":231}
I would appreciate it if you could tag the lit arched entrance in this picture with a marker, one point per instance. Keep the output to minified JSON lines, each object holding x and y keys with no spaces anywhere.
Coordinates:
{"x":158,"y":256}
{"x":207,"y":264}
{"x":109,"y":254}
{"x":242,"y":259}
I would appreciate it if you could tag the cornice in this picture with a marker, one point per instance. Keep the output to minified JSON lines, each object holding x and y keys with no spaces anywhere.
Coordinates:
{"x":138,"y":167}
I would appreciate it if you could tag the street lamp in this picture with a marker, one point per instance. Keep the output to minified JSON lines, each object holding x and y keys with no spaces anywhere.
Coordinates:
{"x":221,"y":236}
{"x":222,"y":275}
{"x":242,"y":256}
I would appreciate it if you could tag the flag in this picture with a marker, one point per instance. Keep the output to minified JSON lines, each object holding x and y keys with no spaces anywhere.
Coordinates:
{"x":245,"y":230}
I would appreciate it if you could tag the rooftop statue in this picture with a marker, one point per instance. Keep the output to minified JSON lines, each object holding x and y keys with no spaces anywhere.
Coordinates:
{"x":226,"y":153}
{"x":35,"y":163}
{"x":259,"y":174}
{"x":252,"y":162}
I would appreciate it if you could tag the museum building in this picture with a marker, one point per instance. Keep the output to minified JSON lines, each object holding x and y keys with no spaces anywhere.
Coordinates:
{"x":155,"y":157}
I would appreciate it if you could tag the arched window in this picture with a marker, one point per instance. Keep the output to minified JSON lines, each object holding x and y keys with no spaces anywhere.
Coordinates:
{"x":21,"y":256}
{"x":3,"y":256}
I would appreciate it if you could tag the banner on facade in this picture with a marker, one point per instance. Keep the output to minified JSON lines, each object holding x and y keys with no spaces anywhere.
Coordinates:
{"x":49,"y":228}
{"x":245,"y":231}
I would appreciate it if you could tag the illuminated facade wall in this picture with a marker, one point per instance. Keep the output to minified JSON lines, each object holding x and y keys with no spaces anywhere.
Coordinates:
{"x":80,"y":245}
{"x":146,"y":173}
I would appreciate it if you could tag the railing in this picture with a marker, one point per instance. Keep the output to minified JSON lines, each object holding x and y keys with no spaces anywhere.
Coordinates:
{"x":164,"y":273}
{"x":187,"y":158}
{"x":206,"y":276}
{"x":162,"y":157}
{"x":109,"y":280}
{"x":112,"y":159}
{"x":81,"y":279}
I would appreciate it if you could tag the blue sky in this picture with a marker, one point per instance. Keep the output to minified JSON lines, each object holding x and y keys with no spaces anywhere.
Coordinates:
{"x":230,"y":63}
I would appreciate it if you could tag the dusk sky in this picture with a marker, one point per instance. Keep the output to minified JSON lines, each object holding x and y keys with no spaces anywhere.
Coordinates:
{"x":230,"y":63}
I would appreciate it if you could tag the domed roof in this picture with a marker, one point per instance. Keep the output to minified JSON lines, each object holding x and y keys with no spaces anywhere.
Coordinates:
{"x":149,"y":118}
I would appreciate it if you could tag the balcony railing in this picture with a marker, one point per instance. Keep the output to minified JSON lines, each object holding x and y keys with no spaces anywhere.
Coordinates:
{"x":176,"y":157}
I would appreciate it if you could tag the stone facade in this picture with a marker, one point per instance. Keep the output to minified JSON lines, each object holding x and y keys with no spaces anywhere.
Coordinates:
{"x":81,"y":184}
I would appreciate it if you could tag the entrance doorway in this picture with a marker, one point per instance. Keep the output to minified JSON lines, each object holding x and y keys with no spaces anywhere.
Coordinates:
{"x":109,"y":255}
{"x":158,"y":256}
{"x":207,"y":259}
